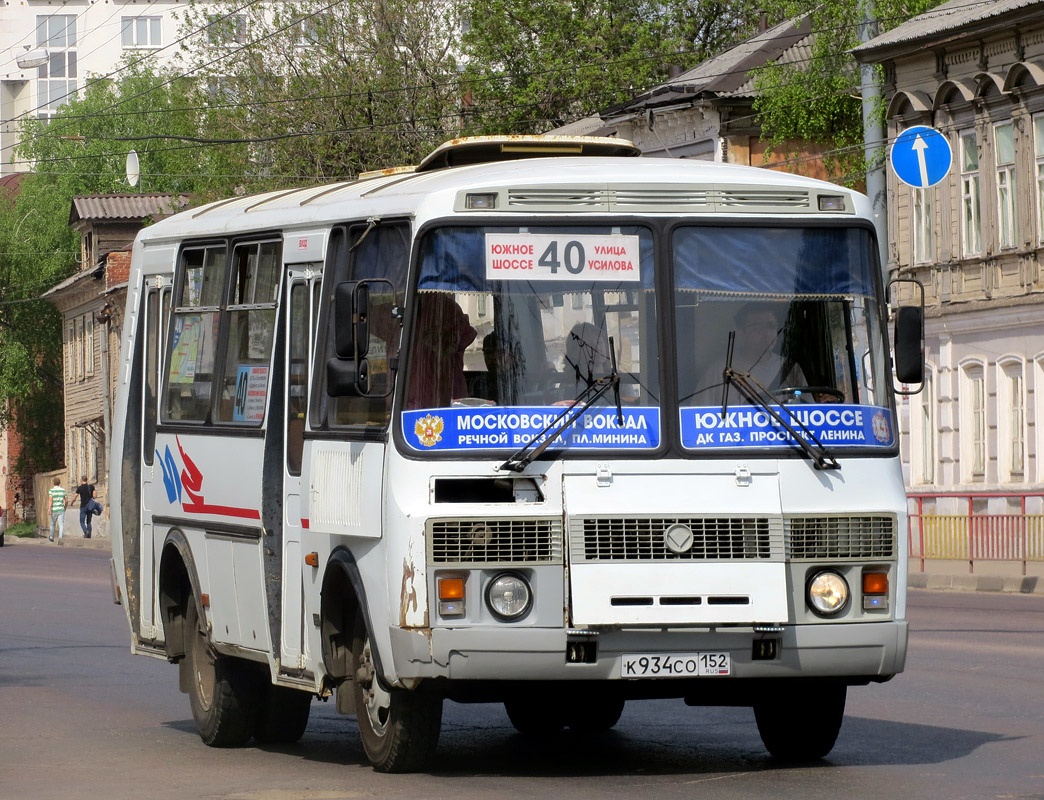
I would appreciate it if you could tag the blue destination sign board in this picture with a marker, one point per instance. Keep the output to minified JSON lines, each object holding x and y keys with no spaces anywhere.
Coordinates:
{"x":921,"y":156}
{"x":746,"y":427}
{"x":511,"y":427}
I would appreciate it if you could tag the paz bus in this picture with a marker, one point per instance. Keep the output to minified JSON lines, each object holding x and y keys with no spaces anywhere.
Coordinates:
{"x":535,"y":422}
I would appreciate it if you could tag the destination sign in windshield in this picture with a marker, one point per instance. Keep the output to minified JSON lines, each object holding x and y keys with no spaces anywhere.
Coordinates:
{"x":561,"y":257}
{"x":833,"y":424}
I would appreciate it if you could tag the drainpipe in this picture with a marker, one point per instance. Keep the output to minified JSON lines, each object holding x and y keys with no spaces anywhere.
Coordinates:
{"x":873,"y":137}
{"x":104,"y":317}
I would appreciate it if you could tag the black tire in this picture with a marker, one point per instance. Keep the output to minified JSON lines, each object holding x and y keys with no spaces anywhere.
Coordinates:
{"x":534,"y":718}
{"x":283,"y":715}
{"x":594,"y":714}
{"x":804,"y":725}
{"x":223,"y":691}
{"x":399,"y":729}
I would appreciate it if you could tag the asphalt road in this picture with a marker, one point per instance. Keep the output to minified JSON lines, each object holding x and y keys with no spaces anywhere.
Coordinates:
{"x":82,"y":718}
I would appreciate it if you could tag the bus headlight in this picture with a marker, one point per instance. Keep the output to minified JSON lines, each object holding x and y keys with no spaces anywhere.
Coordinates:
{"x":827,"y":593}
{"x":508,"y":596}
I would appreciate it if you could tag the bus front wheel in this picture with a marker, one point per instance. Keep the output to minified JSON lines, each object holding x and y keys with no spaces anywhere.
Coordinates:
{"x":399,"y":729}
{"x":223,"y":690}
{"x":802,"y":726}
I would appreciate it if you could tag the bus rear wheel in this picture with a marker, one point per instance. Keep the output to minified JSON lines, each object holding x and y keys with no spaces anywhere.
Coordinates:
{"x":802,"y":726}
{"x":399,"y":729}
{"x":223,"y":691}
{"x":283,"y":716}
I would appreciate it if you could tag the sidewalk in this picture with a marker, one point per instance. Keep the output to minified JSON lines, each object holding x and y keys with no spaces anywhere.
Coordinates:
{"x":76,"y":539}
{"x":987,"y":576}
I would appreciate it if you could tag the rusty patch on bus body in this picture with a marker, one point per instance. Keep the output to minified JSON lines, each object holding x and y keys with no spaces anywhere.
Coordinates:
{"x":408,"y":594}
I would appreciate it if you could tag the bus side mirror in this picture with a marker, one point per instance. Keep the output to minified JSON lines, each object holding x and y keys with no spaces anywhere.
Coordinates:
{"x":347,"y":378}
{"x":909,"y":344}
{"x":909,"y":340}
{"x":351,"y":373}
{"x":351,"y":312}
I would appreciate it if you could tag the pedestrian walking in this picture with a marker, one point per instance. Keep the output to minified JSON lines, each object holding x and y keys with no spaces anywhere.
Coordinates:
{"x":85,"y":491}
{"x":59,"y":500}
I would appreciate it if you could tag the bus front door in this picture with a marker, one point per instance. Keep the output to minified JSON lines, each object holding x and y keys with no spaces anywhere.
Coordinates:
{"x":299,"y":324}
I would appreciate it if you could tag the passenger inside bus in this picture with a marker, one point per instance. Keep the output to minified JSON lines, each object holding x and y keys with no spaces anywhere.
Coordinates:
{"x":443,"y":332}
{"x":505,"y":372}
{"x":761,"y":350}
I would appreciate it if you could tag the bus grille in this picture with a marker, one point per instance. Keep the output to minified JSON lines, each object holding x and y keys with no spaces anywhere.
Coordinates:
{"x":644,"y":539}
{"x":839,"y":537}
{"x":495,"y":541}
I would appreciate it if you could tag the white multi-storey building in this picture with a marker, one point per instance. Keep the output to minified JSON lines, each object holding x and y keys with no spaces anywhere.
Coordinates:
{"x":50,"y":50}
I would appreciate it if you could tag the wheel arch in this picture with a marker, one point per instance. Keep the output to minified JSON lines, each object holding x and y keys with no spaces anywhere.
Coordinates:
{"x":178,"y":583}
{"x":342,"y":601}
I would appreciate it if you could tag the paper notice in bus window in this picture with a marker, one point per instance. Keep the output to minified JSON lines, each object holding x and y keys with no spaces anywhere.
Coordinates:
{"x":251,"y":393}
{"x":187,"y":332}
{"x":565,"y":257}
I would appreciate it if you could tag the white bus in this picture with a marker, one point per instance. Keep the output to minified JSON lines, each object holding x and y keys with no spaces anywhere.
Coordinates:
{"x":535,"y":422}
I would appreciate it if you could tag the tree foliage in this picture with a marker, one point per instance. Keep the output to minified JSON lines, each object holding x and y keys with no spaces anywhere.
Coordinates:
{"x":536,"y":64}
{"x":819,"y":100}
{"x":326,"y":90}
{"x":82,"y":150}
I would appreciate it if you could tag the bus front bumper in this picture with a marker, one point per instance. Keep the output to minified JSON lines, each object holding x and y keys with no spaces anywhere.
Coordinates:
{"x":860,"y":651}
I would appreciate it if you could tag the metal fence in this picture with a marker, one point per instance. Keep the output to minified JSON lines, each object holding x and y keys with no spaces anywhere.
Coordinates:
{"x":974,"y":535}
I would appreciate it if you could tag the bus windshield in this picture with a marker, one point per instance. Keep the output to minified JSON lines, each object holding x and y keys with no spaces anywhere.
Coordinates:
{"x":798,"y":304}
{"x":512,"y":324}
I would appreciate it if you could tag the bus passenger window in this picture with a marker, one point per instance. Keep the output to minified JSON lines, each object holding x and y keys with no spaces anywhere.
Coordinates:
{"x":251,"y":325}
{"x":194,"y":334}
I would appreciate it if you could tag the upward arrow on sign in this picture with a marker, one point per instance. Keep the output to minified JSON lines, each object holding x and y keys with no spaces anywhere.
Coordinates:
{"x":920,"y":146}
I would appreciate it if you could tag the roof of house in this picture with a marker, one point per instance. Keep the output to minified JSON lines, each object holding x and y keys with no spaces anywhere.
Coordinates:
{"x":113,"y":207}
{"x":726,"y":74}
{"x":950,"y":17}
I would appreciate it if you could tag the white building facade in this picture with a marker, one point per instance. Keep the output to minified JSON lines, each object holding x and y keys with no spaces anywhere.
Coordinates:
{"x":50,"y":50}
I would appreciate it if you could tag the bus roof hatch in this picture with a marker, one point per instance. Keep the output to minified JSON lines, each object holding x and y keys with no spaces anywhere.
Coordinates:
{"x":483,"y":149}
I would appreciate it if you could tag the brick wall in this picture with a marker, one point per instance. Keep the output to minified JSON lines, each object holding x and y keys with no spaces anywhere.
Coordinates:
{"x":117,"y":269}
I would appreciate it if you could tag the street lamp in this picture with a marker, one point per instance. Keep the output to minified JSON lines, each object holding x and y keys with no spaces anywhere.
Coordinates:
{"x":32,"y":58}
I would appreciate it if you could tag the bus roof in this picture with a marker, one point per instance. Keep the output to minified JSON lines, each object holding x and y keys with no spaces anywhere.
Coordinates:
{"x":560,"y":185}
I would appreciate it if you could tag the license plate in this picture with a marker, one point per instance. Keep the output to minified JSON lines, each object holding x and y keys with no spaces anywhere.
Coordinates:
{"x":675,"y":665}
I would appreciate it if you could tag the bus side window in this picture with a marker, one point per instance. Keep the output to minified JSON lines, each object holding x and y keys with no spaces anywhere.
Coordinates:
{"x":194,"y":333}
{"x":248,"y":348}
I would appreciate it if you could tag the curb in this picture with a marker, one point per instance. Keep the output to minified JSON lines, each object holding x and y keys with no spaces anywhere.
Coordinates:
{"x":977,"y":583}
{"x":94,"y":543}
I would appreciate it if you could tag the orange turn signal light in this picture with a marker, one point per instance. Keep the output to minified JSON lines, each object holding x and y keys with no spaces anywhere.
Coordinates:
{"x":312,"y":559}
{"x":451,"y":588}
{"x":875,"y":583}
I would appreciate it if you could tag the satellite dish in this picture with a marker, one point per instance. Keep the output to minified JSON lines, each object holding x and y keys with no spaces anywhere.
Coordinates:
{"x":133,"y":170}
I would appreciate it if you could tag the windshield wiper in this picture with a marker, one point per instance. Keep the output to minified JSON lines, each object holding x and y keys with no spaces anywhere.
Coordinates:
{"x":520,"y":460}
{"x":759,"y":396}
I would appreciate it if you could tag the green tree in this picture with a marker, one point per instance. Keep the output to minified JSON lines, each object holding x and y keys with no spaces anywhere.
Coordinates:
{"x":328,"y":89}
{"x":82,"y":150}
{"x":819,"y":100}
{"x":537,"y":64}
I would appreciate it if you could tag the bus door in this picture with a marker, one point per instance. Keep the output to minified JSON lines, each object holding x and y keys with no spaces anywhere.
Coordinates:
{"x":302,"y":286}
{"x":156,"y":306}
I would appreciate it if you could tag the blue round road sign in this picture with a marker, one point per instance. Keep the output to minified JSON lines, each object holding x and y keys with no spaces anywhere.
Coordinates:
{"x":921,"y":156}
